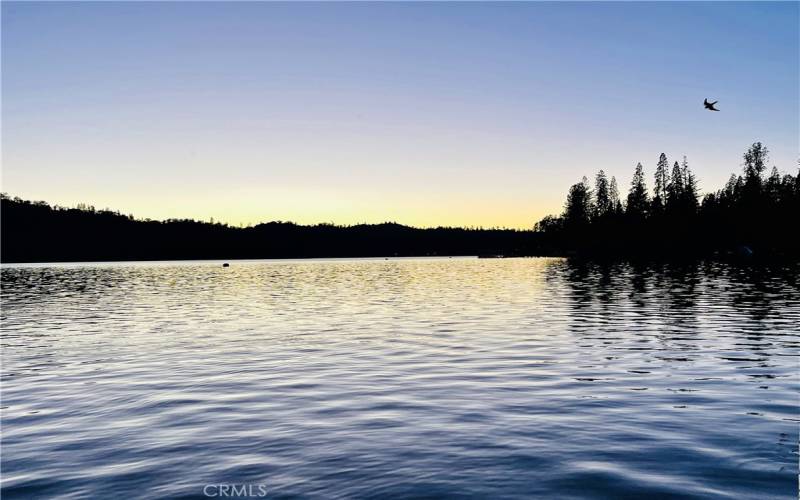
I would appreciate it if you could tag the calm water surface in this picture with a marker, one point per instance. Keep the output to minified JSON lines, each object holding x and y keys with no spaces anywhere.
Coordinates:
{"x":458,"y":378}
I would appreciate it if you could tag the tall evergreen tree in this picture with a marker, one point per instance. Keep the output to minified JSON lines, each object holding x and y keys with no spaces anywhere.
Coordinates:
{"x":613,"y":194}
{"x":659,"y":190}
{"x":730,"y":187}
{"x":602,"y":196}
{"x":578,"y":207}
{"x":638,"y":199}
{"x":675,"y":187}
{"x":690,"y":194}
{"x":755,"y":162}
{"x":773,"y":185}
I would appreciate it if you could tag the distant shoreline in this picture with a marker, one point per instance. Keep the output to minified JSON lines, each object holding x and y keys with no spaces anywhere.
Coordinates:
{"x":254,"y":261}
{"x":38,"y":232}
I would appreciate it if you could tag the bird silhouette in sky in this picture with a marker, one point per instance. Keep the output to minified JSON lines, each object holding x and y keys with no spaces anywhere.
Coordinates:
{"x":710,"y":105}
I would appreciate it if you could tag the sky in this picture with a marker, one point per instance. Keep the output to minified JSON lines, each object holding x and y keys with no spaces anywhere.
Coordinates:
{"x":427,"y":114}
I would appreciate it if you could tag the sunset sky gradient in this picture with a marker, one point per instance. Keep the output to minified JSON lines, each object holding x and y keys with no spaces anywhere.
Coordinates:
{"x":467,"y":114}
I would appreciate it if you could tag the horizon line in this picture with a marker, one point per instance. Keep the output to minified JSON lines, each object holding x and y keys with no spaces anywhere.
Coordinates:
{"x":89,"y":208}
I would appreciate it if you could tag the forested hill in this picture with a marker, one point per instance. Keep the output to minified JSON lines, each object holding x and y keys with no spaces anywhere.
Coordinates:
{"x":37,"y":232}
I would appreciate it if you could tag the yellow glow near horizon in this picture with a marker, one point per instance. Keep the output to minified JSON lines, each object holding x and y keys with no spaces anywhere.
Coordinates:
{"x":307,"y":206}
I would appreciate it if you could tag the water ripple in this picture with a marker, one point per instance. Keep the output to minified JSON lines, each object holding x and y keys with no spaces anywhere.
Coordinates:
{"x":406,"y":378}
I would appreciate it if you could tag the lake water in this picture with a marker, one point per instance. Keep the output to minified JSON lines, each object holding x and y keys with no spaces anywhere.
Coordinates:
{"x":405,"y":378}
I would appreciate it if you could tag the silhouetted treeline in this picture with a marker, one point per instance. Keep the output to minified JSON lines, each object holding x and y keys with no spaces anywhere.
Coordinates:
{"x":37,"y":232}
{"x":754,"y":214}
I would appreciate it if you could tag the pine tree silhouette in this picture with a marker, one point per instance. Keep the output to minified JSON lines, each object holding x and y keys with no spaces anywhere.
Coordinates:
{"x":638,"y":199}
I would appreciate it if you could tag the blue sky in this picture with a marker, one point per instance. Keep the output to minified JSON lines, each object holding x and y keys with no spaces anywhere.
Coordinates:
{"x":422,"y":113}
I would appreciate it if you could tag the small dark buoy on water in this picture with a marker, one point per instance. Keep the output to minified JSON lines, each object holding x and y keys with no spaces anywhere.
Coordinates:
{"x":226,"y":265}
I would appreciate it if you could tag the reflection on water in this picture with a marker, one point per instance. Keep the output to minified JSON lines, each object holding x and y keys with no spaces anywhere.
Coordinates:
{"x":400,"y":378}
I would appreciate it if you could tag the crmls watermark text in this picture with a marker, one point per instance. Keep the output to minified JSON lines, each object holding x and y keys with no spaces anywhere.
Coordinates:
{"x":235,"y":490}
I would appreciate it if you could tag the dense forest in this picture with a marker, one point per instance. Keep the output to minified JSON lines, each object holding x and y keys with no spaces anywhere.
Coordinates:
{"x":754,"y":215}
{"x":38,"y":232}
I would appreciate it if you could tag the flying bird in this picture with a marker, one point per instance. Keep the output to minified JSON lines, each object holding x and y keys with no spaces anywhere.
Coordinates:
{"x":710,"y":105}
